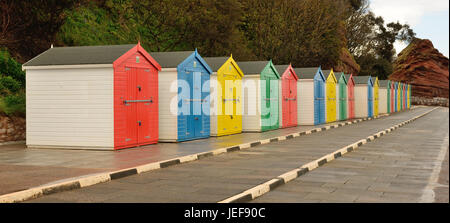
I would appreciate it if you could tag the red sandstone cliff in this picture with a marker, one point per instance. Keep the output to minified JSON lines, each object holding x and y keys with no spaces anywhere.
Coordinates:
{"x":424,"y":67}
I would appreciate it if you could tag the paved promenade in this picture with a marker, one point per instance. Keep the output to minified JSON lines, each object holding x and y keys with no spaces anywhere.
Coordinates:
{"x":403,"y":166}
{"x":215,"y":178}
{"x":22,"y":168}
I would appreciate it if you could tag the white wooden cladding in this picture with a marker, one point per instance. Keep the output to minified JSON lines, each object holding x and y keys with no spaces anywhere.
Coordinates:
{"x":251,"y":105}
{"x":382,"y":100}
{"x":305,"y":104}
{"x":213,"y":104}
{"x":361,"y":101}
{"x":70,"y":108}
{"x":168,"y":108}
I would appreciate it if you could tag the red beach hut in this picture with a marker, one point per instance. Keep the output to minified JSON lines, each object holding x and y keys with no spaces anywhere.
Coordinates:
{"x":288,"y":96}
{"x":350,"y":96}
{"x":92,"y":97}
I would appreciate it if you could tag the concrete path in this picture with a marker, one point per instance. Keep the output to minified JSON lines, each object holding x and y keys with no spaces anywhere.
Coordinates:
{"x":215,"y":178}
{"x":22,"y":168}
{"x":441,"y":190}
{"x":398,"y":167}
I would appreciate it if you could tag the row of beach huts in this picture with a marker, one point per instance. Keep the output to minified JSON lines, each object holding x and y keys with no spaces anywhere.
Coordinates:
{"x":120,"y":96}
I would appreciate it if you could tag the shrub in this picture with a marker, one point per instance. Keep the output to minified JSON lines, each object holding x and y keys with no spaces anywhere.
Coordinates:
{"x":12,"y":86}
{"x":13,"y":105}
{"x":9,"y":85}
{"x":10,"y":67}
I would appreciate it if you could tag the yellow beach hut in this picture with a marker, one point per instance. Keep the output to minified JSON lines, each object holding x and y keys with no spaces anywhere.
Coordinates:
{"x":226,"y":96}
{"x":330,"y":96}
{"x":399,"y":96}
{"x":376,"y":96}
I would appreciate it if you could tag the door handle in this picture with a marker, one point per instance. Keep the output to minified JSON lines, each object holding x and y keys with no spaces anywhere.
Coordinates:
{"x":130,"y":101}
{"x":139,"y":122}
{"x":139,"y":87}
{"x":196,"y":118}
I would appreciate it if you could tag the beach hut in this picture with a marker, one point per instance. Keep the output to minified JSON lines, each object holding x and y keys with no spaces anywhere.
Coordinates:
{"x":400,"y":91}
{"x":405,"y":95}
{"x":363,"y":96}
{"x":391,"y":96}
{"x":341,"y":96}
{"x":183,"y":95}
{"x":388,"y":85}
{"x":384,"y":96}
{"x":376,"y":86}
{"x":409,"y":96}
{"x":225,"y":96}
{"x":92,"y":97}
{"x":311,"y":96}
{"x":395,"y":96}
{"x":261,"y":96}
{"x":330,"y":96}
{"x":288,"y":96}
{"x":350,"y":96}
{"x":401,"y":95}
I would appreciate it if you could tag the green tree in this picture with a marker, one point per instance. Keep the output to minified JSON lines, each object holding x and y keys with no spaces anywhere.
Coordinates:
{"x":12,"y":85}
{"x":306,"y":33}
{"x":372,"y":42}
{"x":167,"y":25}
{"x":27,"y":28}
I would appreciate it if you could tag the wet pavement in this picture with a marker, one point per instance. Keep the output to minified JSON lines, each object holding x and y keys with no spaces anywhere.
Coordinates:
{"x":215,"y":178}
{"x":22,"y":168}
{"x":399,"y":167}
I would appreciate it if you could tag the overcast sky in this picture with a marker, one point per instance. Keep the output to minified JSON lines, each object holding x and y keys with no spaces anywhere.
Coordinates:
{"x":428,"y":18}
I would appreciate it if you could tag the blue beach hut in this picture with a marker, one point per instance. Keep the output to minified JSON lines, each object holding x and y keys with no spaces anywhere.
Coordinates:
{"x":184,"y":102}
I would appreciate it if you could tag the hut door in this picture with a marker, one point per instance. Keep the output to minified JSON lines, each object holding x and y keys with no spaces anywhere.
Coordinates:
{"x":375,"y":100}
{"x":318,"y":100}
{"x":289,"y":90}
{"x":343,"y":101}
{"x":392,"y":98}
{"x":229,"y":103}
{"x":273,"y":96}
{"x":265,"y":103}
{"x":140,"y":106}
{"x":196,"y":108}
{"x":285,"y":97}
{"x":350,"y":101}
{"x":369,"y":101}
{"x":331,"y":101}
{"x":293,"y":101}
{"x":130,"y":107}
{"x":404,"y":96}
{"x":146,"y":106}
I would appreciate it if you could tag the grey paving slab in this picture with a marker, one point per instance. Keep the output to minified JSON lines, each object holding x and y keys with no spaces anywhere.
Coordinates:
{"x":234,"y":172}
{"x":442,"y":191}
{"x":49,"y":165}
{"x":81,"y":162}
{"x":400,"y":171}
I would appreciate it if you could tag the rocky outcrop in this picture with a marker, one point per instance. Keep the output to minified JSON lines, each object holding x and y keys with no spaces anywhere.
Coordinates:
{"x":424,"y":67}
{"x":12,"y":129}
